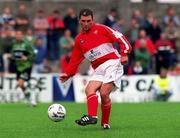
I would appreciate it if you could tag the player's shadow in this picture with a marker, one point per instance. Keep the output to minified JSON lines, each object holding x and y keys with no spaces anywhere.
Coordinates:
{"x":94,"y":128}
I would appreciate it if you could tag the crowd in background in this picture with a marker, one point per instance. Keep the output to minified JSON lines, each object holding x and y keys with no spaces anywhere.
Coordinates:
{"x":155,"y":41}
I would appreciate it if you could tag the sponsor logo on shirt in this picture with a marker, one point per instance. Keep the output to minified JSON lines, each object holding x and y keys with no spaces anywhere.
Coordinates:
{"x":93,"y":54}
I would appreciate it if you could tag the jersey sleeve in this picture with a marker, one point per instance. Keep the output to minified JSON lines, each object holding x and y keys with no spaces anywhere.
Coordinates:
{"x":31,"y":52}
{"x":115,"y":36}
{"x":76,"y":58}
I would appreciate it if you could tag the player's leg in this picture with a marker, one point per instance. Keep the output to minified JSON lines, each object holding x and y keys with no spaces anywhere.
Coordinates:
{"x":23,"y":78}
{"x":21,"y":81}
{"x":92,"y":104}
{"x":92,"y":98}
{"x":33,"y":93}
{"x":105,"y":91}
{"x":21,"y":84}
{"x":112,"y":77}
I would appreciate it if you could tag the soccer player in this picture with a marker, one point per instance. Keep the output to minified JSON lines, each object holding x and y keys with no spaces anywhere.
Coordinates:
{"x":23,"y":55}
{"x":95,"y":43}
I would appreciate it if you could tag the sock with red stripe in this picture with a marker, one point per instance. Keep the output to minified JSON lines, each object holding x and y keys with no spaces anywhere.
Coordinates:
{"x":92,"y":104}
{"x":105,"y":109}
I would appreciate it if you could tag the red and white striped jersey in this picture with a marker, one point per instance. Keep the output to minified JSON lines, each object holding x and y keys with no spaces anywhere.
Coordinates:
{"x":97,"y":47}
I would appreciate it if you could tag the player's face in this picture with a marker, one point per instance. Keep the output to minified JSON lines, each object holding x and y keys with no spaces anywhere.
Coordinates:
{"x":86,"y":23}
{"x":19,"y":35}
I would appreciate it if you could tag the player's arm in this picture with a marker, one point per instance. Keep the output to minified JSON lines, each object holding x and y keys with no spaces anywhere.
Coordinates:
{"x":30,"y":50}
{"x":76,"y":58}
{"x":125,"y":47}
{"x":11,"y":55}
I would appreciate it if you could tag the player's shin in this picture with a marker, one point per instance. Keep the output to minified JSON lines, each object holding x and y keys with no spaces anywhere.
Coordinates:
{"x":34,"y":97}
{"x":92,"y":104}
{"x":105,"y":109}
{"x":21,"y":85}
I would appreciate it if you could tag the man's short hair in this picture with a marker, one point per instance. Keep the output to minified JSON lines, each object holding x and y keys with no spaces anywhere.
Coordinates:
{"x":85,"y":12}
{"x":113,"y":10}
{"x":56,"y":11}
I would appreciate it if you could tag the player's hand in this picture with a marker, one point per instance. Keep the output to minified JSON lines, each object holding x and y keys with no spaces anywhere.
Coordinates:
{"x":63,"y":77}
{"x":124,"y":60}
{"x":24,"y":58}
{"x":7,"y":56}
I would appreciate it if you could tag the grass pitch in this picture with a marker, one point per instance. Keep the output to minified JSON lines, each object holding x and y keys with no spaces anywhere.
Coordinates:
{"x":142,"y":120}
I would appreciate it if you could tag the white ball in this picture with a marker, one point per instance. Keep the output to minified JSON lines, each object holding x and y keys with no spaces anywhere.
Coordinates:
{"x":56,"y":112}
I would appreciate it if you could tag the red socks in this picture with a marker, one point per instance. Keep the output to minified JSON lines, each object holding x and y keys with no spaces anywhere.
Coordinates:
{"x":105,"y":109}
{"x":92,"y":104}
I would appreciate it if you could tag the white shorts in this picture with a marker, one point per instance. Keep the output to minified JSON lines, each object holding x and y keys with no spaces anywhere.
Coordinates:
{"x":109,"y":71}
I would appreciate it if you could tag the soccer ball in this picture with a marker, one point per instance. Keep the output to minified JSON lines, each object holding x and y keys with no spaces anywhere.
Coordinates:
{"x":56,"y":112}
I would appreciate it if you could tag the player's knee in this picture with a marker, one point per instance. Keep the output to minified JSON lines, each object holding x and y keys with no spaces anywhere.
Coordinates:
{"x":104,"y":94}
{"x":104,"y":97}
{"x":21,"y":83}
{"x":89,"y":90}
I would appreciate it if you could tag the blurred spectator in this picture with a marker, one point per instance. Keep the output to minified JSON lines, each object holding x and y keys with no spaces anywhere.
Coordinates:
{"x":172,"y":32}
{"x":149,"y":19}
{"x":55,"y":31}
{"x":142,"y":56}
{"x":38,"y":66}
{"x":71,"y":22}
{"x":30,"y":36}
{"x":1,"y":65}
{"x":119,"y":25}
{"x":7,"y":41}
{"x":8,"y":19}
{"x":138,"y":17}
{"x":22,"y":19}
{"x":40,"y":25}
{"x":162,"y":86}
{"x":1,"y":57}
{"x":1,"y":22}
{"x":137,"y":68}
{"x":164,"y":55}
{"x":154,"y":30}
{"x":132,"y":33}
{"x":110,"y":19}
{"x":66,"y":43}
{"x":148,"y":42}
{"x":149,"y":45}
{"x":171,"y":15}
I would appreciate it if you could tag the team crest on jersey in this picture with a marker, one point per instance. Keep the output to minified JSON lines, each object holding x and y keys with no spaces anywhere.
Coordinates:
{"x":81,"y":41}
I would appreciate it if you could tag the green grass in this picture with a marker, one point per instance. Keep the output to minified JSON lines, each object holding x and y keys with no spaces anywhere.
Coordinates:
{"x":142,"y":120}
